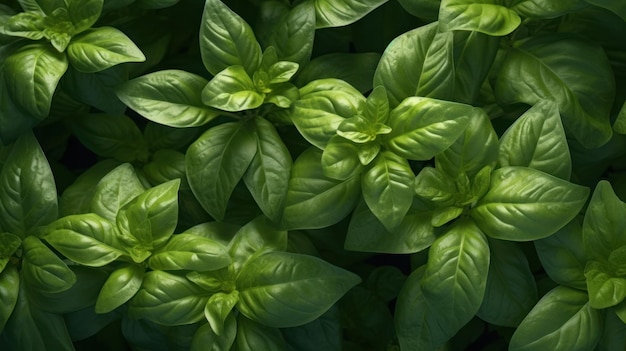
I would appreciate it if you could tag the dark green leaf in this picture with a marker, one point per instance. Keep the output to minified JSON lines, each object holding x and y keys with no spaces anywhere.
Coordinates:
{"x":427,"y":9}
{"x":165,"y":166}
{"x":474,"y":54}
{"x":42,"y":269}
{"x":9,"y":243}
{"x":357,"y":69}
{"x":293,"y":35}
{"x":546,"y":9}
{"x":253,"y":336}
{"x":217,"y":161}
{"x":160,"y":137}
{"x":190,"y":252}
{"x":121,"y":286}
{"x":9,"y":289}
{"x":97,"y":89}
{"x":336,"y":14}
{"x":233,"y":90}
{"x":206,"y":340}
{"x":604,"y":223}
{"x":617,"y":8}
{"x":77,"y":197}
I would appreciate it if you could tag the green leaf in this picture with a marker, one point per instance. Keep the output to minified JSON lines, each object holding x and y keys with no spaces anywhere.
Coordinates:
{"x":435,"y":186}
{"x":87,"y":239}
{"x":32,"y":74}
{"x":456,"y":273}
{"x":613,"y":333}
{"x":84,"y":13}
{"x":9,"y":289}
{"x":426,"y":9}
{"x":115,"y":136}
{"x":9,"y":243}
{"x":476,"y":148}
{"x":97,"y":89}
{"x":511,"y":291}
{"x":267,"y":177}
{"x":115,"y":190}
{"x":170,"y":97}
{"x":275,"y":288}
{"x":310,"y":192}
{"x":165,"y":166}
{"x":168,"y":299}
{"x":525,"y":204}
{"x":605,"y":289}
{"x":150,"y":218}
{"x":253,"y":336}
{"x":474,"y":55}
{"x":617,"y":8}
{"x":386,"y":186}
{"x":322,"y":106}
{"x":42,"y":269}
{"x":323,"y":333}
{"x":227,"y":40}
{"x":340,"y":159}
{"x":537,"y":140}
{"x":546,"y":9}
{"x":561,"y":320}
{"x":356,"y":69}
{"x":15,"y":121}
{"x":255,"y":238}
{"x":25,"y":24}
{"x":485,"y":16}
{"x":161,"y":137}
{"x":294,"y":34}
{"x":190,"y":252}
{"x":423,"y":127}
{"x":417,"y":63}
{"x":553,"y":62}
{"x":28,"y":195}
{"x":100,"y":48}
{"x":218,"y":308}
{"x":336,"y":14}
{"x":604,"y":223}
{"x":216,"y":162}
{"x":367,"y":234}
{"x":206,"y":340}
{"x":121,"y":286}
{"x":77,"y":197}
{"x":233,"y":90}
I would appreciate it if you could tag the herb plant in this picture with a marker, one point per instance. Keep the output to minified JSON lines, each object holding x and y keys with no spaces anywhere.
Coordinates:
{"x":312,"y":175}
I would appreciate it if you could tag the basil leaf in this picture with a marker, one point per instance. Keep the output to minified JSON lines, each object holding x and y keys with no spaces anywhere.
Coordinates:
{"x":293,"y":35}
{"x":613,"y":336}
{"x":15,"y":121}
{"x":114,"y":136}
{"x":340,"y":159}
{"x":42,"y":269}
{"x":255,"y":238}
{"x":604,"y":222}
{"x":435,"y":186}
{"x":310,"y":192}
{"x":97,"y":89}
{"x":553,"y":61}
{"x":323,"y":333}
{"x":32,"y":74}
{"x":474,"y":55}
{"x":253,"y":336}
{"x":114,"y":190}
{"x":190,"y":252}
{"x":25,"y":24}
{"x":28,"y":195}
{"x":273,"y":288}
{"x":216,"y":162}
{"x":9,"y":289}
{"x":424,"y":58}
{"x":77,"y":197}
{"x":426,"y":9}
{"x":218,"y":308}
{"x":87,"y":239}
{"x":233,"y":90}
{"x":386,"y":186}
{"x":561,"y":320}
{"x":332,"y":14}
{"x":165,"y":166}
{"x":615,"y":7}
{"x":511,"y":291}
{"x":162,"y":137}
{"x":485,"y":17}
{"x":83,"y":13}
{"x":170,"y":97}
{"x":9,"y":243}
{"x":100,"y":48}
{"x":267,"y":177}
{"x":604,"y":288}
{"x":537,"y":140}
{"x":322,"y":106}
{"x":121,"y":285}
{"x":545,"y":9}
{"x":168,"y":299}
{"x":227,"y":40}
{"x":525,"y":204}
{"x":423,"y":127}
{"x":205,"y":339}
{"x":356,"y":69}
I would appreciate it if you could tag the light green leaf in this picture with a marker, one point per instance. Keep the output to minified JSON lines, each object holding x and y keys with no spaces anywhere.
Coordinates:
{"x":386,"y":186}
{"x":417,"y":63}
{"x":340,"y":159}
{"x":485,"y":16}
{"x":190,"y":252}
{"x":293,"y":35}
{"x":218,"y":308}
{"x":9,"y":243}
{"x":255,"y":238}
{"x":604,"y":287}
{"x":423,"y":127}
{"x":121,"y":286}
{"x":100,"y":48}
{"x":83,"y":13}
{"x":357,"y":69}
{"x":330,"y":13}
{"x":9,"y":289}
{"x":604,"y":224}
{"x":233,"y":90}
{"x":170,"y":97}
{"x":253,"y":336}
{"x":267,"y":177}
{"x":435,"y":186}
{"x":554,"y":62}
{"x":87,"y":239}
{"x":511,"y":291}
{"x":274,"y":288}
{"x":525,"y":204}
{"x":537,"y":140}
{"x":168,"y":299}
{"x":28,"y":195}
{"x":32,"y":74}
{"x":42,"y":269}
{"x":25,"y":24}
{"x":561,"y":320}
{"x":227,"y":40}
{"x":310,"y":192}
{"x":115,"y":136}
{"x":443,"y":215}
{"x":216,"y":162}
{"x":322,"y":106}
{"x":115,"y":190}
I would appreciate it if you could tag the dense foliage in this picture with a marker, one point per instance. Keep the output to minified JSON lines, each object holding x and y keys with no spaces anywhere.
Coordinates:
{"x":312,"y":175}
